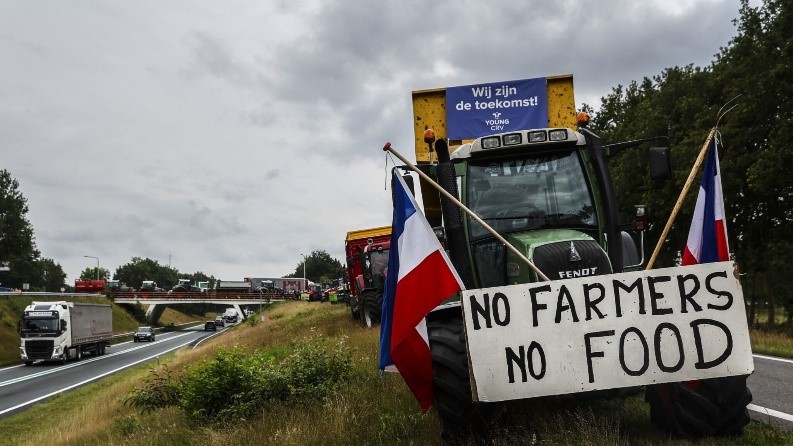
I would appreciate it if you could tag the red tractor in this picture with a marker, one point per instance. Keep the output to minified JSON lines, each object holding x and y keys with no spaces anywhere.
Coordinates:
{"x":367,"y":261}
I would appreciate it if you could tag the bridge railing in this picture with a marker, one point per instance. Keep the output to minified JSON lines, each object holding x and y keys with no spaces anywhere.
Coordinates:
{"x":197,"y":295}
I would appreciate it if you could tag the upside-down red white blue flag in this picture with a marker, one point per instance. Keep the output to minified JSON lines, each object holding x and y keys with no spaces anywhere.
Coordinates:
{"x":707,"y":238}
{"x":419,"y":278}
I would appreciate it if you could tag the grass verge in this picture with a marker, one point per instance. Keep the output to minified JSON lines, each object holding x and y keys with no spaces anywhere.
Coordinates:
{"x":369,"y":409}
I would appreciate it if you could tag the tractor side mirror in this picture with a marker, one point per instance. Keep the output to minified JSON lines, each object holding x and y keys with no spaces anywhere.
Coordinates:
{"x":660,"y":163}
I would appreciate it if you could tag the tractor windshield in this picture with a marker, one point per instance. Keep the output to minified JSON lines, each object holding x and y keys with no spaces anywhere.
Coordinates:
{"x":530,"y":192}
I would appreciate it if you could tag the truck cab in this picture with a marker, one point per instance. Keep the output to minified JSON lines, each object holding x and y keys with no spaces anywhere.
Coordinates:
{"x":59,"y":331}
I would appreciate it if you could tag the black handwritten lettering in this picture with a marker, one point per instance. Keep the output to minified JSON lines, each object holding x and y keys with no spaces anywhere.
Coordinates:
{"x":701,"y":363}
{"x":591,"y":304}
{"x":525,"y":362}
{"x":658,"y":359}
{"x":561,"y":307}
{"x":655,"y":295}
{"x":536,"y":347}
{"x":477,"y":310}
{"x":686,"y":296}
{"x":636,"y":285}
{"x":718,"y":293}
{"x":500,"y":297}
{"x":646,"y":352}
{"x":519,"y":359}
{"x":536,"y":307}
{"x":590,"y":354}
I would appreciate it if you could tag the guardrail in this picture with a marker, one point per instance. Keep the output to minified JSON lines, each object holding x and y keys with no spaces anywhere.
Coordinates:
{"x":48,"y":294}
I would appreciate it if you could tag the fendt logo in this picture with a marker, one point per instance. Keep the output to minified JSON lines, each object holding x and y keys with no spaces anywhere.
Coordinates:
{"x":578,"y":273}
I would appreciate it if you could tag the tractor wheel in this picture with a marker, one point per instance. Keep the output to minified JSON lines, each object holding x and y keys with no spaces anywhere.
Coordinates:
{"x":461,"y":418}
{"x":704,"y":408}
{"x":372,"y":307}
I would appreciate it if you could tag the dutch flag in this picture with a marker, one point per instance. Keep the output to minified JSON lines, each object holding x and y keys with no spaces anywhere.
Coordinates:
{"x":707,"y":238}
{"x":419,"y":278}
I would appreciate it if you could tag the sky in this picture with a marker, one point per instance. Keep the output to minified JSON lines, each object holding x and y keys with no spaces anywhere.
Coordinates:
{"x":233,"y":137}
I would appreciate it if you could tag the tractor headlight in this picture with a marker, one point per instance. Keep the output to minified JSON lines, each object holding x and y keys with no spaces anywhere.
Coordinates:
{"x":492,"y":142}
{"x":540,"y":136}
{"x":558,"y":135}
{"x":512,"y":139}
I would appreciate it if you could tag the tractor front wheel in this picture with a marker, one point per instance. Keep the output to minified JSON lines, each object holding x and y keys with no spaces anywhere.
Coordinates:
{"x":697,"y":409}
{"x":372,"y":307}
{"x":461,"y":418}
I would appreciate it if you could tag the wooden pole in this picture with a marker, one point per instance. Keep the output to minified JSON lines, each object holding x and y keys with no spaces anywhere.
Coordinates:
{"x":683,"y":193}
{"x":470,"y":213}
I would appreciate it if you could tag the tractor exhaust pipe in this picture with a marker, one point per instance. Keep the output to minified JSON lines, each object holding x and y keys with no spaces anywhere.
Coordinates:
{"x":452,"y":217}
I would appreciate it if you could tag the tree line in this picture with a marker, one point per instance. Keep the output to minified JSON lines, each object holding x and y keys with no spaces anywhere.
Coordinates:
{"x":754,"y":72}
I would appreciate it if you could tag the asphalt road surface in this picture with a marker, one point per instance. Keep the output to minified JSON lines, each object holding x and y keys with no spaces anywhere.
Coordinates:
{"x":22,"y":386}
{"x":772,"y":391}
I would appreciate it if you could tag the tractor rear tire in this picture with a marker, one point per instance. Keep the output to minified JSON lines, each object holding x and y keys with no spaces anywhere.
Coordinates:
{"x":372,"y":307}
{"x":462,"y":420}
{"x":697,"y":409}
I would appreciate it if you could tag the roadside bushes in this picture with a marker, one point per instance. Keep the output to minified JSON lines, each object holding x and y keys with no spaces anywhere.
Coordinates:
{"x":237,"y":384}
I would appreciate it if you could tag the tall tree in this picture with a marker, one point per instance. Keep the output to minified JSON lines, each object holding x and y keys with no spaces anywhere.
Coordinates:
{"x":95,"y":273}
{"x":52,"y":276}
{"x":138,"y":270}
{"x":17,"y":245}
{"x":319,"y":264}
{"x":756,"y":136}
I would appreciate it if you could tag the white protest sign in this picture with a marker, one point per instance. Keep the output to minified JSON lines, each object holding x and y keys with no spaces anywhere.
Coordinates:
{"x":603,"y":332}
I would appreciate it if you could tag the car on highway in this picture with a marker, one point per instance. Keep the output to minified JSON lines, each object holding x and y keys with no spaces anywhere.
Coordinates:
{"x":210,"y":325}
{"x":143,"y":334}
{"x":220,"y":322}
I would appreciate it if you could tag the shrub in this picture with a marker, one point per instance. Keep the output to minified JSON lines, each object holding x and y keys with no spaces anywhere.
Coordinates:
{"x":236,"y":384}
{"x":159,"y":390}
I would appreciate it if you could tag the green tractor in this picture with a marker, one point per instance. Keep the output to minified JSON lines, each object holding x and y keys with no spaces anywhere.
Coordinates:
{"x":549,"y":193}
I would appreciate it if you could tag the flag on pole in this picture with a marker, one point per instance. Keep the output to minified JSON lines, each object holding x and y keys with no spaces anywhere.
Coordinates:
{"x":707,"y":238}
{"x":419,"y":278}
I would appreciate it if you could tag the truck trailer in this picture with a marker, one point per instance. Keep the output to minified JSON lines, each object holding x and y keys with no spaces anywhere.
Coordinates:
{"x":287,"y":285}
{"x":60,"y":331}
{"x":89,"y":285}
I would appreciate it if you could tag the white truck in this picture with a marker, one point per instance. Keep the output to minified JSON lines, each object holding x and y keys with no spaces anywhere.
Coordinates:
{"x":60,"y":331}
{"x":230,"y":315}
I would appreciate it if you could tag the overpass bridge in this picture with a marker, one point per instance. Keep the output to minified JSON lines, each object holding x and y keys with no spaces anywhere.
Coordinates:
{"x":157,"y":301}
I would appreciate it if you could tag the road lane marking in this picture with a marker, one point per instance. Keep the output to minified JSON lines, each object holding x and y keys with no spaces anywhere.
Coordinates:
{"x":770,"y":412}
{"x":35,"y":400}
{"x":81,"y":362}
{"x":774,"y":358}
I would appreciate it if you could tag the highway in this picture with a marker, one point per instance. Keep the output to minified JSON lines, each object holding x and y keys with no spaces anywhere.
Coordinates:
{"x":22,"y":386}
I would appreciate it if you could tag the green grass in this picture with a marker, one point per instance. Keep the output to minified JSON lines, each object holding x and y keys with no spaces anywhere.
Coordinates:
{"x":372,"y":409}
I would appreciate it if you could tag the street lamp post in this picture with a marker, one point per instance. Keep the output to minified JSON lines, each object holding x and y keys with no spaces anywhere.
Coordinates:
{"x":97,"y":264}
{"x":305,"y":280}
